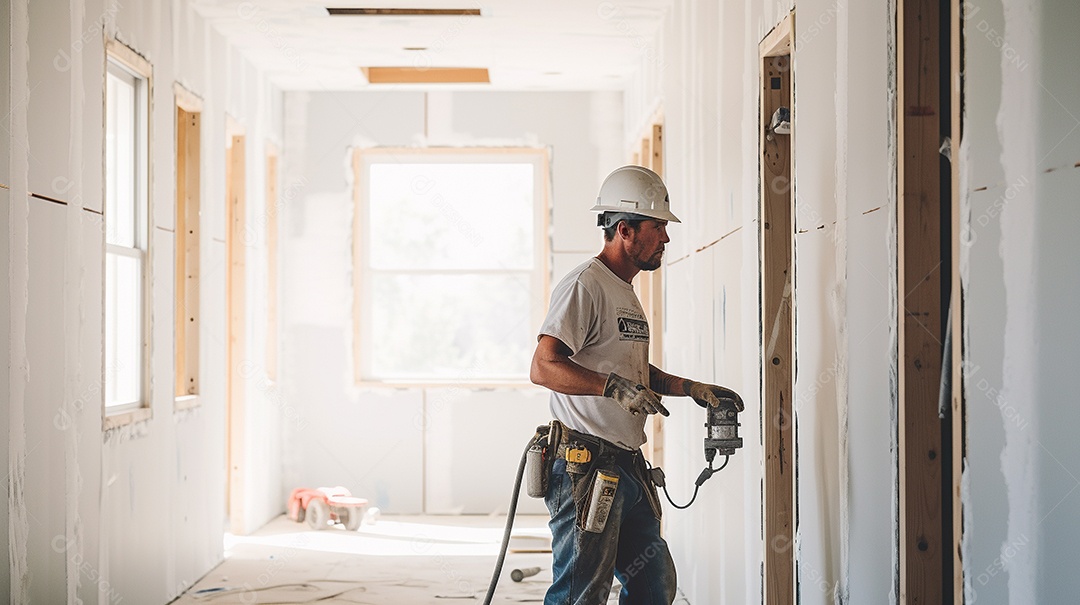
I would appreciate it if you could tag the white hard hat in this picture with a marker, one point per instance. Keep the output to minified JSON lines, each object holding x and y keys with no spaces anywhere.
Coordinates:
{"x":634,"y":190}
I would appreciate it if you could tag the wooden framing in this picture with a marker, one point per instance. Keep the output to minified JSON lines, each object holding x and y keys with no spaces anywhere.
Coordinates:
{"x":272,"y":156}
{"x":650,"y":286}
{"x":188,"y":165}
{"x":426,"y":75}
{"x":956,"y":309}
{"x":359,"y":182}
{"x":235,"y":212}
{"x":776,"y":220}
{"x":541,"y":249}
{"x":920,"y":318}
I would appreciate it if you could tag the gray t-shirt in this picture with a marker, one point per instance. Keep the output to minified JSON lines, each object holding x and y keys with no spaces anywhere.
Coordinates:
{"x":599,"y":317}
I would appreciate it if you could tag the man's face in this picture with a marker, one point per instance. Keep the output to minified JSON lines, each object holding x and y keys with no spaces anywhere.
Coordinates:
{"x":645,"y":245}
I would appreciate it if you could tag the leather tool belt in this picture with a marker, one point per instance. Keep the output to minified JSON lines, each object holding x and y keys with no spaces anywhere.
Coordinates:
{"x":586,"y":454}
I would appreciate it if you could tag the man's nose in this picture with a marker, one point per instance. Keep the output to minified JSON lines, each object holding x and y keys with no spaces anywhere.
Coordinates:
{"x":663,"y":235}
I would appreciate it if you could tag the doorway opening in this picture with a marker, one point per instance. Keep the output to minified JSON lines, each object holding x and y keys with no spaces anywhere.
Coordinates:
{"x":776,"y":236}
{"x":235,"y":207}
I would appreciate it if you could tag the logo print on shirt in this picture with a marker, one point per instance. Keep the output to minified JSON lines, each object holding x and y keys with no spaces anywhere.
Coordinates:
{"x":633,"y":329}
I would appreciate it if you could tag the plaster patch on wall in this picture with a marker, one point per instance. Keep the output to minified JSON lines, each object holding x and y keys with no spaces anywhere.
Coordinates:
{"x":838,"y":301}
{"x":964,"y":269}
{"x":73,"y":320}
{"x":19,"y":371}
{"x":1017,"y":248}
{"x":127,"y":432}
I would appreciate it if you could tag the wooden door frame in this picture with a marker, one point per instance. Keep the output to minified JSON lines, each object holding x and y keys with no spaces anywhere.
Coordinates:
{"x":649,"y":153}
{"x":930,"y":448}
{"x":235,"y":213}
{"x":776,"y":234}
{"x":956,"y":317}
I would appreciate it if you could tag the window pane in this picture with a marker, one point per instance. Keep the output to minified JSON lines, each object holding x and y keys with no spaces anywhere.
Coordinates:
{"x":451,"y":216}
{"x":461,"y":327}
{"x":120,"y":168}
{"x":123,"y":329}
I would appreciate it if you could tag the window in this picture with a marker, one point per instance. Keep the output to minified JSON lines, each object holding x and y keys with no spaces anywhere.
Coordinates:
{"x":126,"y":234}
{"x":450,"y":247}
{"x":188,"y":136}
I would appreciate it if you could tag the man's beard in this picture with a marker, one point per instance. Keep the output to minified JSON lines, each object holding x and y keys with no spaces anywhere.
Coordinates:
{"x":649,"y":264}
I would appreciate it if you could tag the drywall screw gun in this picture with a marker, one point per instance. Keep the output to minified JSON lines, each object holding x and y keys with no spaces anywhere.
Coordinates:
{"x":721,"y":437}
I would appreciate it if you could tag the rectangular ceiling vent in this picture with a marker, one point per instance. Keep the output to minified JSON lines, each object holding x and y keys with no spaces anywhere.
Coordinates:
{"x":426,"y":75}
{"x":402,"y":12}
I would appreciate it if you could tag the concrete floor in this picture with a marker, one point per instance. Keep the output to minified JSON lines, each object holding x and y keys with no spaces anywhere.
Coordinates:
{"x":399,"y":560}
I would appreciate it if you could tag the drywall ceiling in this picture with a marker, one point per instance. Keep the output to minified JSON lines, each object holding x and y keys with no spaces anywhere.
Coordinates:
{"x":554,"y":45}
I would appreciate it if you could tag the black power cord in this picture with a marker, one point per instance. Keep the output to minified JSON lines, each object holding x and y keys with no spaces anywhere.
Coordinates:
{"x":706,"y":473}
{"x":509,"y":524}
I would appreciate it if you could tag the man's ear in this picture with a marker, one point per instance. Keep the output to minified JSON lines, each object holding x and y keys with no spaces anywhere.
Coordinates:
{"x":623,"y":229}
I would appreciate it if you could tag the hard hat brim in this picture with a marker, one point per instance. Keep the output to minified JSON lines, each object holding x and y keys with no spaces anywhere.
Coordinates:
{"x":658,"y":214}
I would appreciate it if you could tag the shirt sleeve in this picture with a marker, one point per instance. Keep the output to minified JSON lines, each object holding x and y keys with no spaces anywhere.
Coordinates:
{"x":572,"y":316}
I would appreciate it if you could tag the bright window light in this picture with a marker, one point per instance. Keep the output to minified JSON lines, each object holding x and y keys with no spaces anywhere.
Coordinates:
{"x":453,"y":266}
{"x":125,"y":237}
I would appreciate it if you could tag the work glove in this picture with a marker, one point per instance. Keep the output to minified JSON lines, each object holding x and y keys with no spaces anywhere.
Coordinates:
{"x":633,"y":397}
{"x":711,"y":395}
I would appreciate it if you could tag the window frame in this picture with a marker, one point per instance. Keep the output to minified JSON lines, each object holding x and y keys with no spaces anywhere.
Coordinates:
{"x":540,"y":279}
{"x":123,"y":61}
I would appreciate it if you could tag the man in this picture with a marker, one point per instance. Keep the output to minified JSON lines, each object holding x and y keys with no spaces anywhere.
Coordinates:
{"x":593,"y":353}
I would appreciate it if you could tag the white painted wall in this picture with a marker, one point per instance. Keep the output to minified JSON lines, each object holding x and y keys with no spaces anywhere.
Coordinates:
{"x":412,"y":450}
{"x":5,"y":276}
{"x":135,"y":514}
{"x":707,"y":80}
{"x":1021,"y":152}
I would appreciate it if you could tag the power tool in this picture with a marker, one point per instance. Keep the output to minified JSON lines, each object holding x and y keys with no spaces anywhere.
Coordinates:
{"x":721,"y":438}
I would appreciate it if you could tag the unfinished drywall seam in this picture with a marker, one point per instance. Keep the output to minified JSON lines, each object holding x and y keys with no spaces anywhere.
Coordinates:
{"x":963,"y":161}
{"x":73,"y":271}
{"x":19,"y":242}
{"x":1017,"y":250}
{"x":839,"y":301}
{"x":891,"y":254}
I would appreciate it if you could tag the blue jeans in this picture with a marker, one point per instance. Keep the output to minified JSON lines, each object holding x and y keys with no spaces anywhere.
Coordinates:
{"x":630,"y":547}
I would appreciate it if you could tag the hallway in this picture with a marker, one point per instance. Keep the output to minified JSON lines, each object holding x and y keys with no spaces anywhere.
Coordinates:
{"x":408,"y":560}
{"x":248,"y":247}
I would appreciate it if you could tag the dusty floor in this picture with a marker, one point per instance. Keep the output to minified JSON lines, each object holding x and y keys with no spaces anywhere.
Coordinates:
{"x":398,"y":560}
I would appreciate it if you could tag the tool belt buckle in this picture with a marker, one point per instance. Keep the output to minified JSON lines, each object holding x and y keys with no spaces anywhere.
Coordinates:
{"x":578,"y":454}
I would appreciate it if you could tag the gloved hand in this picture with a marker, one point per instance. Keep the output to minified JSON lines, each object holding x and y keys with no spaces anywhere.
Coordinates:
{"x":710,"y":395}
{"x":633,"y":397}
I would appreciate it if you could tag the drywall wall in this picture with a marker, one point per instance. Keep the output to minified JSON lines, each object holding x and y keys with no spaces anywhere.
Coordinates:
{"x":5,"y":283}
{"x":414,"y":449}
{"x":1020,"y":155}
{"x":706,"y":81}
{"x":132,"y":514}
